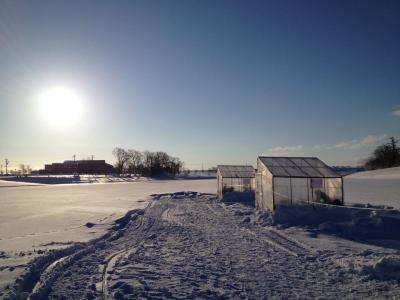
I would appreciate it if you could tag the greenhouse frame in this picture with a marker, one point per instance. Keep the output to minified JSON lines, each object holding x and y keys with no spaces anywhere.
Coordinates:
{"x":296,"y":180}
{"x":235,"y":178}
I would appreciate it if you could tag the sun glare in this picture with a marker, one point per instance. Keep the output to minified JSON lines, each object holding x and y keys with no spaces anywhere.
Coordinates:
{"x":60,"y":106}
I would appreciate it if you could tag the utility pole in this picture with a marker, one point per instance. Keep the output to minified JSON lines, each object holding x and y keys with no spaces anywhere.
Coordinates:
{"x":7,"y":162}
{"x":76,"y":165}
{"x":92,"y":156}
{"x":1,"y":170}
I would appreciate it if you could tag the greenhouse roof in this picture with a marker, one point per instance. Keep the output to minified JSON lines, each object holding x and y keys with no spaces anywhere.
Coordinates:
{"x":231,"y":171}
{"x":298,"y":167}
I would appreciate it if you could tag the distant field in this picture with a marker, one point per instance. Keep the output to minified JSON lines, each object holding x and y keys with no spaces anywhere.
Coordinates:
{"x":70,"y":179}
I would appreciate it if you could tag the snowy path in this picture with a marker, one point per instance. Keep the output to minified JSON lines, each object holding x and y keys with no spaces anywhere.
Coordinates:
{"x":36,"y":219}
{"x":190,"y":246}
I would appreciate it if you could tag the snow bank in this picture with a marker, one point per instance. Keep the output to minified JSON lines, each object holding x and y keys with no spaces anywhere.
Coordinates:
{"x":389,"y":173}
{"x":69,"y":179}
{"x":42,"y":179}
{"x":377,"y":187}
{"x":385,"y":268}
{"x":350,"y":222}
{"x":177,"y":195}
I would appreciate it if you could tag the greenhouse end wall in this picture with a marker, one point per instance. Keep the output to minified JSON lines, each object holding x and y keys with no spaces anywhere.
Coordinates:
{"x":228,"y":185}
{"x":264,"y":189}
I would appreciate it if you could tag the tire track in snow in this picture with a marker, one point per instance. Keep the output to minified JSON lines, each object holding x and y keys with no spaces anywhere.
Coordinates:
{"x":111,"y":261}
{"x":39,"y":284}
{"x":281,"y":241}
{"x":271,"y":236}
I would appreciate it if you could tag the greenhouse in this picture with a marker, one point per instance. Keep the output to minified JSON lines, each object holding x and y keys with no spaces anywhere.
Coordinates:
{"x":235,"y":179}
{"x":296,"y":180}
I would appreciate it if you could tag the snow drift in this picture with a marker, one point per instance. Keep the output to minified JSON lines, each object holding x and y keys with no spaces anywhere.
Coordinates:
{"x":373,"y":224}
{"x":377,"y":187}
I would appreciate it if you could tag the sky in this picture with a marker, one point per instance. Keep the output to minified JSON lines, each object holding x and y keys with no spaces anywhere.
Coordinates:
{"x":211,"y":82}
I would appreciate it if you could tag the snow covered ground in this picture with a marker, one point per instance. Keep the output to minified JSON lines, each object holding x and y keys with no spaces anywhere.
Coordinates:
{"x":381,"y":187}
{"x":70,"y":179}
{"x":189,"y":245}
{"x":85,"y":179}
{"x":37,"y":218}
{"x":45,"y":222}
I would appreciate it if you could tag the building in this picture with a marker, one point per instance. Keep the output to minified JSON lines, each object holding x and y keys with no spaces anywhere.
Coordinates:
{"x":296,"y":180}
{"x":235,"y":178}
{"x":79,"y":167}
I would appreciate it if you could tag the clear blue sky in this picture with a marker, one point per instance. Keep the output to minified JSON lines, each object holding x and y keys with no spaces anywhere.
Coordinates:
{"x":208,"y":81}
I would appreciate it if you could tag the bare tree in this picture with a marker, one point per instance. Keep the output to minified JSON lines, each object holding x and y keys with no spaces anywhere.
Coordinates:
{"x":122,"y":158}
{"x":146,"y":163}
{"x":135,"y":161}
{"x":22,"y":169}
{"x":28,"y":169}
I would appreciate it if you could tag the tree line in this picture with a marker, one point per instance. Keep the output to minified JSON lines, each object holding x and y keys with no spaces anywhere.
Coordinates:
{"x":146,"y":163}
{"x":384,"y":156}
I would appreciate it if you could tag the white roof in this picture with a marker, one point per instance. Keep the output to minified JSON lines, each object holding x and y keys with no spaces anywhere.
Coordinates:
{"x":236,"y":171}
{"x":297,"y":167}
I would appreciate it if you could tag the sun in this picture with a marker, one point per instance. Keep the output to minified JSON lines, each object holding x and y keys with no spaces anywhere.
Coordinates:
{"x":60,"y":106}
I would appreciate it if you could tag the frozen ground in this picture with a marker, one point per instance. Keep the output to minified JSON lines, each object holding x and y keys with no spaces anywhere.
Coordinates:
{"x":377,"y":187}
{"x":38,"y":218}
{"x":189,"y":245}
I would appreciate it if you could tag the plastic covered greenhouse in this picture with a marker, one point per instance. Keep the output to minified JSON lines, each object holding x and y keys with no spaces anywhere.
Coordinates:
{"x":296,"y":180}
{"x":235,"y":179}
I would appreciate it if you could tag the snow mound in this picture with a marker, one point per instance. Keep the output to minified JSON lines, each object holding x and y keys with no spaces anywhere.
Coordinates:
{"x":350,"y":222}
{"x":377,"y":187}
{"x":386,"y":268}
{"x":180,"y":195}
{"x":389,"y":173}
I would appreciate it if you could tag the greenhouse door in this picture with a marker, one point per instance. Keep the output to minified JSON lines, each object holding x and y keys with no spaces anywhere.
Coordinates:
{"x":317,"y":189}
